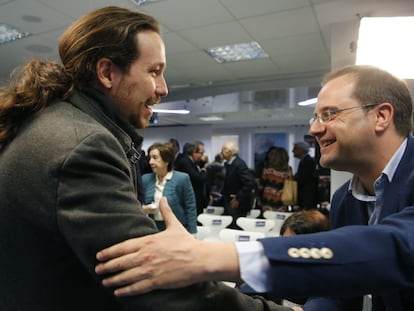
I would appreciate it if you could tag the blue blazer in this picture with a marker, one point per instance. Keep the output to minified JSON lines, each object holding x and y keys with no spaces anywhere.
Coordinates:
{"x":180,"y":196}
{"x":355,"y":259}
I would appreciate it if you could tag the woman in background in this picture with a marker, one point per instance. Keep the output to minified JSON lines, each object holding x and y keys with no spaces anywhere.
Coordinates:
{"x":270,"y":188}
{"x":166,"y":182}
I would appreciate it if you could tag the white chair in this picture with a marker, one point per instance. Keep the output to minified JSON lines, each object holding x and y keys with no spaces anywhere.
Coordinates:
{"x":215,"y":223}
{"x":216,"y":210}
{"x":278,"y":217}
{"x":234,"y":235}
{"x":202,"y":232}
{"x":253,"y":213}
{"x":255,"y":225}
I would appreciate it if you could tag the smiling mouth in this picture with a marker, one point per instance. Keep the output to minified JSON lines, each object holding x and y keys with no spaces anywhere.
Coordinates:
{"x":327,"y":143}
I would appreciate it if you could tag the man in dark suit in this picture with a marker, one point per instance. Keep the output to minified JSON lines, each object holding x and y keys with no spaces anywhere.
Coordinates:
{"x":238,"y":184}
{"x":305,"y":176}
{"x":188,"y":163}
{"x":176,"y":147}
{"x":363,"y":123}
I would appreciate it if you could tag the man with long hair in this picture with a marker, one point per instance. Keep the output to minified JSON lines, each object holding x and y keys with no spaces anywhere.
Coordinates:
{"x":68,"y":178}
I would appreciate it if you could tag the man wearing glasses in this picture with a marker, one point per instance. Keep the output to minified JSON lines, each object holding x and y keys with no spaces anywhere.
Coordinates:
{"x":363,"y":125}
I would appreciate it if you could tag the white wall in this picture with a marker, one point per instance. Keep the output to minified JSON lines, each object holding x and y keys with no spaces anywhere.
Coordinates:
{"x":341,"y":55}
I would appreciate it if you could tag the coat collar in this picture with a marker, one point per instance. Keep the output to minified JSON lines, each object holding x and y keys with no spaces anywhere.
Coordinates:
{"x":99,"y":107}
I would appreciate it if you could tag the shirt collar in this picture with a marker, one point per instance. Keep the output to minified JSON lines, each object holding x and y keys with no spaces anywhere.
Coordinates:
{"x":231,"y":160}
{"x":168,"y":176}
{"x":355,"y":186}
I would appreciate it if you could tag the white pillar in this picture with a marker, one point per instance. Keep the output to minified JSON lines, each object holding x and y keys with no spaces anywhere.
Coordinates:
{"x":343,"y":39}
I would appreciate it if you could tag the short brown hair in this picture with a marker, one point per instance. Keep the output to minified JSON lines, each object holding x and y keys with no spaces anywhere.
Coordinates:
{"x":307,"y":221}
{"x":375,"y":86}
{"x":166,"y":152}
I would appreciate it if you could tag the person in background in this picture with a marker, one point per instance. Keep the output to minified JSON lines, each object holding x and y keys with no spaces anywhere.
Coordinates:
{"x":176,"y":148}
{"x":270,"y":185}
{"x":174,"y":185}
{"x":363,"y":125}
{"x":198,"y":176}
{"x":238,"y":186}
{"x":203,"y":161}
{"x":303,"y":222}
{"x":262,"y":144}
{"x":215,"y":195}
{"x":215,"y":178}
{"x":145,"y":168}
{"x":68,"y":177}
{"x":306,"y":176}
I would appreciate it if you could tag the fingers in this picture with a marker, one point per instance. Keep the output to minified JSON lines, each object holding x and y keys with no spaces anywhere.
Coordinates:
{"x":134,"y":275}
{"x":138,"y":288}
{"x":120,"y":263}
{"x":120,"y":249}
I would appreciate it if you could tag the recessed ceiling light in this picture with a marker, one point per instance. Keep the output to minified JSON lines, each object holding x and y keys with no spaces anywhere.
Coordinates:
{"x":211,"y":118}
{"x":174,"y":111}
{"x":237,"y":52}
{"x":9,"y":33}
{"x":308,"y":102}
{"x":31,"y":19}
{"x":143,"y":2}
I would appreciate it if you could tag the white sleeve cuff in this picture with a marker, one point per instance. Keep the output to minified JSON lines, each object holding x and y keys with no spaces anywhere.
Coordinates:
{"x":254,"y":265}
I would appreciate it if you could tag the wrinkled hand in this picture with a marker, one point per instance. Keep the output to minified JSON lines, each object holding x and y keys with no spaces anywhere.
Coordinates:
{"x":168,"y":259}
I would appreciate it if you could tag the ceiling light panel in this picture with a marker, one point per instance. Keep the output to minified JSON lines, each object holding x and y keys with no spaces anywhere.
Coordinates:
{"x":386,"y":42}
{"x":9,"y":33}
{"x":211,"y":118}
{"x":237,"y":52}
{"x":144,"y":2}
{"x":174,"y":111}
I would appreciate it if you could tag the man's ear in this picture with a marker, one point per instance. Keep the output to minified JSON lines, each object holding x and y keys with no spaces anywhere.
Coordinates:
{"x":385,"y":115}
{"x":104,"y":68}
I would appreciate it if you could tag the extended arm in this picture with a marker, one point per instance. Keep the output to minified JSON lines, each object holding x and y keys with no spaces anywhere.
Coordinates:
{"x":158,"y":261}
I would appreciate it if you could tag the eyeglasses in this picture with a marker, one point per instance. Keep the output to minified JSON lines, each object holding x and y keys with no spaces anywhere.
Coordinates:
{"x":328,"y":115}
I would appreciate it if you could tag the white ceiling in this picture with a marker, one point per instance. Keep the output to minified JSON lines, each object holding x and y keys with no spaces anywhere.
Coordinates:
{"x":295,"y":33}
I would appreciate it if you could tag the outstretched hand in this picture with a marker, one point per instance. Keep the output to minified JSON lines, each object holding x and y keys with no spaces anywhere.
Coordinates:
{"x":168,"y":259}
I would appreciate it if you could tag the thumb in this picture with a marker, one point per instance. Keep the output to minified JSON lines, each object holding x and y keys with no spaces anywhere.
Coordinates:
{"x":167,"y":214}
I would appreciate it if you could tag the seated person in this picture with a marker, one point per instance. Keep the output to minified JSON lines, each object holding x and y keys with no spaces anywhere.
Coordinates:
{"x":304,"y":222}
{"x":215,"y":196}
